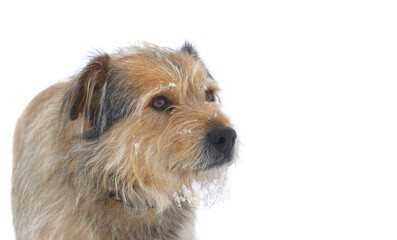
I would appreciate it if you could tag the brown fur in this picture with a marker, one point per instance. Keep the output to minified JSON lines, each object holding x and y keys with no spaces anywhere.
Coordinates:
{"x":94,"y":160}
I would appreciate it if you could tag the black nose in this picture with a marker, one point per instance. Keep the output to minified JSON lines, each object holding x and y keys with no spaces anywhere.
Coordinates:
{"x":222,"y":139}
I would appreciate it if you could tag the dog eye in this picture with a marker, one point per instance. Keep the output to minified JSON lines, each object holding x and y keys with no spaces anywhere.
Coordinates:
{"x":160,"y":103}
{"x":209,"y":96}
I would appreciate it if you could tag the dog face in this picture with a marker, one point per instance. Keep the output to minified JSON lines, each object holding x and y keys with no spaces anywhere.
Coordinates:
{"x":150,"y":122}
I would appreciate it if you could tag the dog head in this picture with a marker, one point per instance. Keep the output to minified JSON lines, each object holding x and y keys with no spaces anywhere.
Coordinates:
{"x":148,"y":123}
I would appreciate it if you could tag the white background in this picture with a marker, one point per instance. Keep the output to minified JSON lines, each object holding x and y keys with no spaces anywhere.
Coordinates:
{"x":310,"y":85}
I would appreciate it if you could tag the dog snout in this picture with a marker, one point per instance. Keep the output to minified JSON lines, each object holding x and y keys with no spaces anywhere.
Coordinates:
{"x":222,"y":139}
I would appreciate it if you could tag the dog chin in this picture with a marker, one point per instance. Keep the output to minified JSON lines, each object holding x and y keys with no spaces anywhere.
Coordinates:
{"x":219,"y":162}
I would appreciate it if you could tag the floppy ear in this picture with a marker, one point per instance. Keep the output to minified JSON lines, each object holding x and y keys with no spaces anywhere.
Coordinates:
{"x":83,"y":99}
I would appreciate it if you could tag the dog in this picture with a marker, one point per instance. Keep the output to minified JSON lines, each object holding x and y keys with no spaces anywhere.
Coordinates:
{"x":122,"y":149}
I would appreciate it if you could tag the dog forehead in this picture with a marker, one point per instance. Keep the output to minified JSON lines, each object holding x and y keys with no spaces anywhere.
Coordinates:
{"x":166,"y":70}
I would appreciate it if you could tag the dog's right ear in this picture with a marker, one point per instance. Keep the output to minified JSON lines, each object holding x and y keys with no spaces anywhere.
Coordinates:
{"x":84,"y":95}
{"x":190,"y":50}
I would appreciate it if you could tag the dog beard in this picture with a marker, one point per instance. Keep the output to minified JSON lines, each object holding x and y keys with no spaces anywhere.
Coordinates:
{"x":209,"y":188}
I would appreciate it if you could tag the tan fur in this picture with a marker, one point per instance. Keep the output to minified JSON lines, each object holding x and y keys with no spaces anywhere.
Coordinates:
{"x":63,"y":177}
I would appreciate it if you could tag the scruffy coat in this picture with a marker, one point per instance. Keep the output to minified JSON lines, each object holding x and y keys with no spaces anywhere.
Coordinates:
{"x":105,"y":154}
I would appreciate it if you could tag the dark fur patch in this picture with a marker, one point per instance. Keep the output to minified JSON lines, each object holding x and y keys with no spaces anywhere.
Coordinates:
{"x":112,"y":108}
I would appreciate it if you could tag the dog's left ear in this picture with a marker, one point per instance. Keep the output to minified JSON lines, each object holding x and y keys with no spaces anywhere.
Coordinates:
{"x":190,"y":50}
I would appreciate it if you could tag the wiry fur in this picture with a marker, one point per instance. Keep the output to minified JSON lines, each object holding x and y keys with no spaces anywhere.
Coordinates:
{"x":93,"y":160}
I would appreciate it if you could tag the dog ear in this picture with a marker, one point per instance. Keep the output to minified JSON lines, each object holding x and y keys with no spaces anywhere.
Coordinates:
{"x":190,"y":50}
{"x":84,"y":96}
{"x":98,"y":97}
